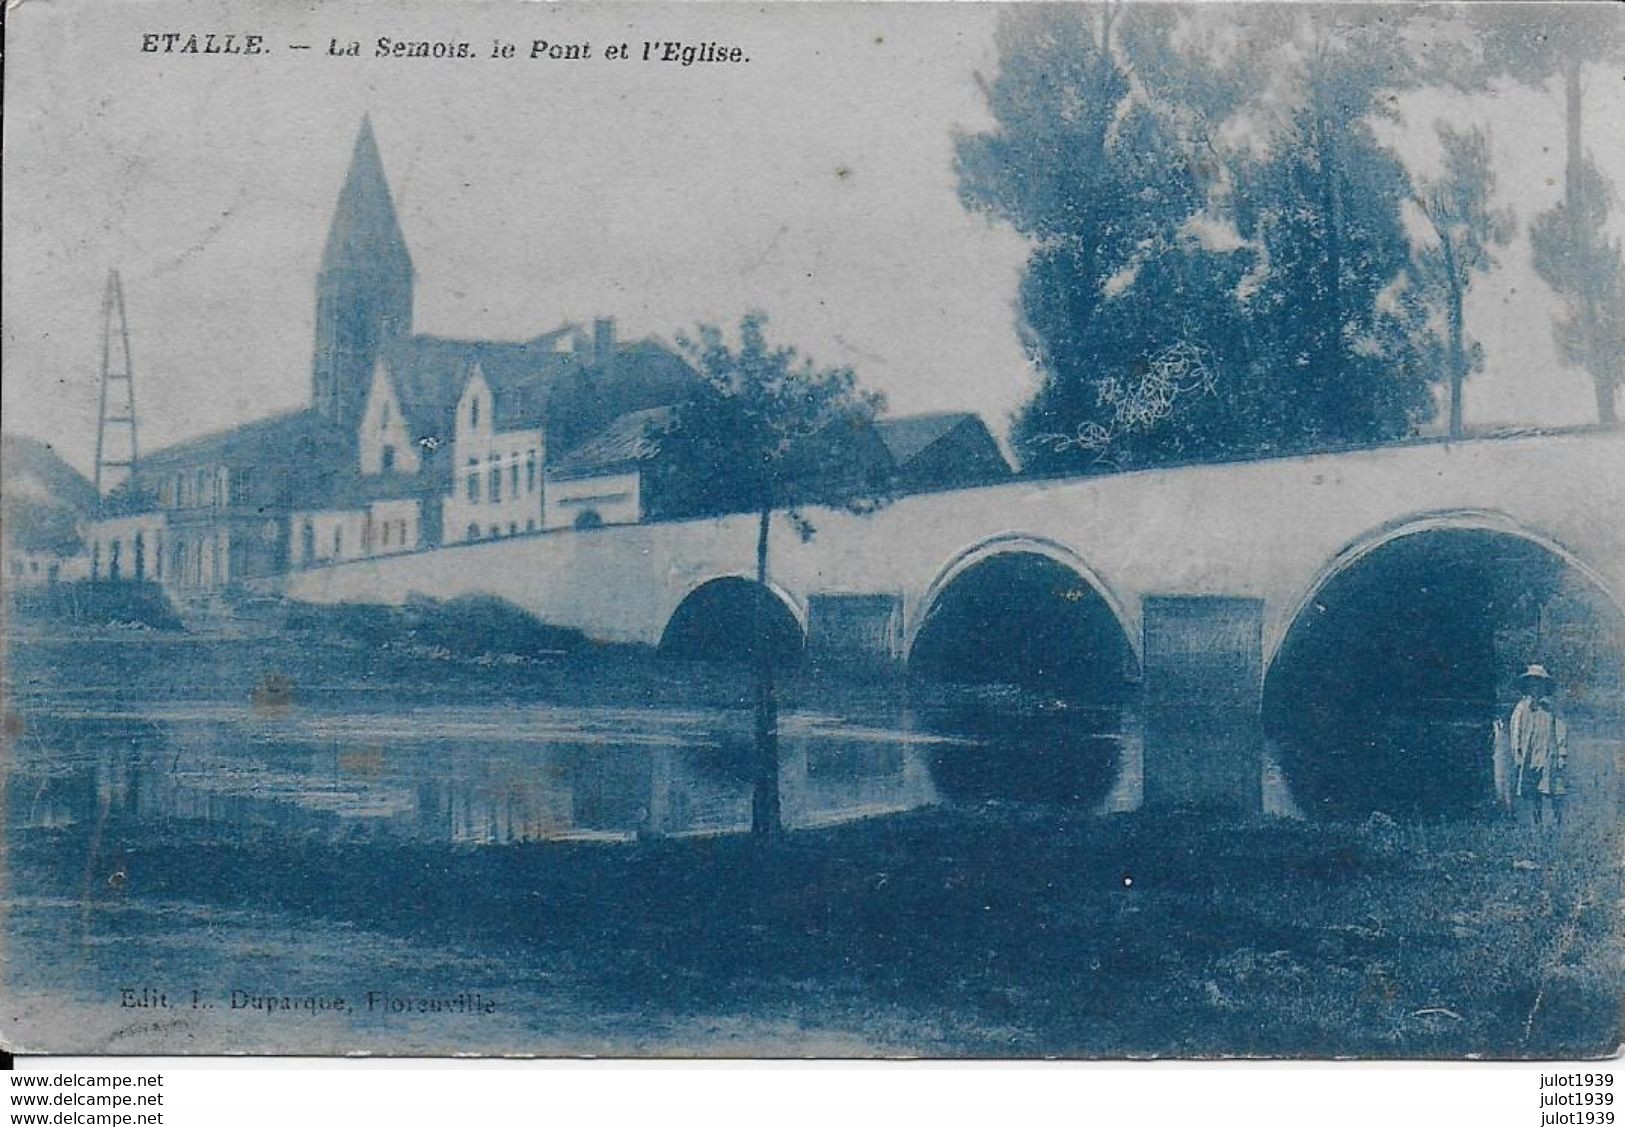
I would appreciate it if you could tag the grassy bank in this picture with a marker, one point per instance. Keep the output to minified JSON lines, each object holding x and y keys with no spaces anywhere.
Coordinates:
{"x":1001,"y":931}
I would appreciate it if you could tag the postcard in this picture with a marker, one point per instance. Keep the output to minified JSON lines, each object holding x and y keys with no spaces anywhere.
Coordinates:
{"x":839,"y":530}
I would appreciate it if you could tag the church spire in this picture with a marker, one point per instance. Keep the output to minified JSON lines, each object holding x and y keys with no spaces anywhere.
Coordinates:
{"x":364,"y":290}
{"x":365,"y":230}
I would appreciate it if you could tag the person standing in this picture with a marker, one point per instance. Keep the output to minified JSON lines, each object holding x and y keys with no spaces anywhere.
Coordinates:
{"x":1539,"y":739}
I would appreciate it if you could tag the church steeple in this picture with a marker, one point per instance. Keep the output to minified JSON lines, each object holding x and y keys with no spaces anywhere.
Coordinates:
{"x":364,"y":290}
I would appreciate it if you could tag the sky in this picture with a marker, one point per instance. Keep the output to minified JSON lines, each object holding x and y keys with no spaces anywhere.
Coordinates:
{"x":814,"y":181}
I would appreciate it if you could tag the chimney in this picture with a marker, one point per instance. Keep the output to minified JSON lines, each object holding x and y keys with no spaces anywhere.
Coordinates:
{"x":603,"y":341}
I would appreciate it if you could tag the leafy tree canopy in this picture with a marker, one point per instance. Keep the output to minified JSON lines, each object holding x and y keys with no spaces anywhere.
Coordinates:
{"x":1217,"y":238}
{"x":766,"y":429}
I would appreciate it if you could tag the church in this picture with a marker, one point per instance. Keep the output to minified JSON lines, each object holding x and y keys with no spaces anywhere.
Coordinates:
{"x":414,"y":441}
{"x":410,"y":441}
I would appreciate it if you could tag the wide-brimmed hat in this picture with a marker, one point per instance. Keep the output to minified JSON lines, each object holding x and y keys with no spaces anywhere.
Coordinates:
{"x":1534,"y":673}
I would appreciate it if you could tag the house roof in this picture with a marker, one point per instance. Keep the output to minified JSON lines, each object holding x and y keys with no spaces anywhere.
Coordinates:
{"x":33,"y":468}
{"x":911,"y":435}
{"x":302,"y":449}
{"x":292,"y":435}
{"x":430,"y":373}
{"x":626,"y":441}
{"x":533,"y":384}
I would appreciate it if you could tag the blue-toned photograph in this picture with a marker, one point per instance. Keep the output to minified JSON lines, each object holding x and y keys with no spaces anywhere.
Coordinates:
{"x":1084,"y":531}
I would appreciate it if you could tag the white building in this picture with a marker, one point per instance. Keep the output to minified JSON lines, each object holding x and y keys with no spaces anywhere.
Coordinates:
{"x":498,"y":452}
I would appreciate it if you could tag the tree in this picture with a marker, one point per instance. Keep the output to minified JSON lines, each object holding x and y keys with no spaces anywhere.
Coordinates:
{"x":1465,"y":232}
{"x":1533,"y":44}
{"x":767,"y":430}
{"x":1189,"y":297}
{"x":1575,"y":256}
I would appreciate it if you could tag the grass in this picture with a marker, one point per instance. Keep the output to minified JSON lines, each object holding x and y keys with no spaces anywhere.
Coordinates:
{"x":1006,"y":931}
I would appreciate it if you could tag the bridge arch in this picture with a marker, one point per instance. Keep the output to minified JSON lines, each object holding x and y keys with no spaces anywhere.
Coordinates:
{"x":1021,"y":654}
{"x":1415,"y":524}
{"x":1017,"y":543}
{"x":1383,"y":678}
{"x":713,"y":615}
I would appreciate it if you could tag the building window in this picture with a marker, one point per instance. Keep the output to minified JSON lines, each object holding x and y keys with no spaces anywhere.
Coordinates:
{"x":113,"y":559}
{"x":242,"y":486}
{"x":589,"y":518}
{"x":496,"y":483}
{"x":96,"y":560}
{"x":403,"y":534}
{"x":513,"y":474}
{"x":307,"y":543}
{"x":530,"y":525}
{"x":389,"y":459}
{"x":386,"y":533}
{"x":472,"y":532}
{"x":513,"y":528}
{"x":530,"y":471}
{"x":338,"y":541}
{"x":474,"y":488}
{"x":474,"y":412}
{"x":140,"y":556}
{"x":496,"y":530}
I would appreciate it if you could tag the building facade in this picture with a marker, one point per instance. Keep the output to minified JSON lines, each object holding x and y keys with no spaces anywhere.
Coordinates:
{"x":414,"y":441}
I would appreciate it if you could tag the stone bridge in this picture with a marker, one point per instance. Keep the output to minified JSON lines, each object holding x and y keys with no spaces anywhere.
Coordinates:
{"x":1205,"y":568}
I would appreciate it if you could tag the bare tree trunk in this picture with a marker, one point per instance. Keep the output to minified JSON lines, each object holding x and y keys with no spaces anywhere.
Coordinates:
{"x":765,"y":812}
{"x":1599,"y":367}
{"x":1458,"y":352}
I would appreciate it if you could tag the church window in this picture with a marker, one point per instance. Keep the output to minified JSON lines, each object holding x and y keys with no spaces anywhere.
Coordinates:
{"x":496,"y":483}
{"x":530,"y":471}
{"x":474,"y":412}
{"x":389,"y":459}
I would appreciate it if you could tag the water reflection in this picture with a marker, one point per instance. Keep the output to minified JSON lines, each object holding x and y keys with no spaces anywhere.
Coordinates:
{"x":486,"y":776}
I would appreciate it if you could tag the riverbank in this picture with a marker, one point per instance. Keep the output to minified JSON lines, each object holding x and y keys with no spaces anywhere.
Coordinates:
{"x":1133,"y":935}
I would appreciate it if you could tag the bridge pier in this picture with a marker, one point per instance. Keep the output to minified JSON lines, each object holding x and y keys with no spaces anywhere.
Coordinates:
{"x":854,"y":632}
{"x":1203,"y":720}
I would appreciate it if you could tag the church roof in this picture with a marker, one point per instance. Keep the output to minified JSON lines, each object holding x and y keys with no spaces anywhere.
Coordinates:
{"x":365,"y":231}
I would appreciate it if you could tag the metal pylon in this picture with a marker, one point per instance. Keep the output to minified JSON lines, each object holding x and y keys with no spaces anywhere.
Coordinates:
{"x":115,"y":453}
